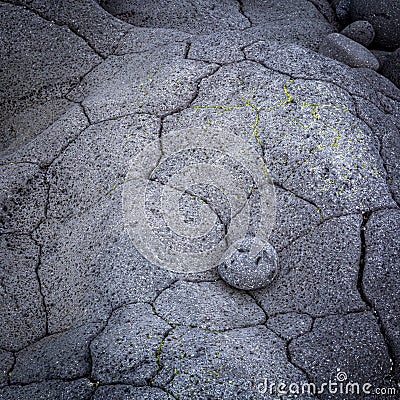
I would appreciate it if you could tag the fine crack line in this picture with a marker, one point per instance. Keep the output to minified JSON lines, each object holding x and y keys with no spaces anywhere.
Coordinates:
{"x":187,"y":50}
{"x":360,"y":286}
{"x":10,"y":371}
{"x":290,"y":360}
{"x":241,"y":10}
{"x":309,"y":201}
{"x":66,"y":25}
{"x":37,"y":270}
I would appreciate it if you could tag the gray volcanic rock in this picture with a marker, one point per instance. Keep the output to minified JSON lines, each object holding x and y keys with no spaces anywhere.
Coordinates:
{"x":22,"y":198}
{"x":208,"y":305}
{"x":200,"y":364}
{"x":353,"y":339}
{"x":83,"y":314}
{"x":127,"y":392}
{"x":290,"y":325}
{"x":81,"y":389}
{"x":22,"y":316}
{"x":6,"y":363}
{"x":360,"y":31}
{"x":384,"y":16}
{"x":244,"y":271}
{"x":127,"y":349}
{"x":346,"y":50}
{"x":60,"y":356}
{"x":391,"y":67}
{"x":40,"y":63}
{"x":203,"y":16}
{"x":323,"y":283}
{"x":98,"y":28}
{"x":381,"y":274}
{"x":382,"y":56}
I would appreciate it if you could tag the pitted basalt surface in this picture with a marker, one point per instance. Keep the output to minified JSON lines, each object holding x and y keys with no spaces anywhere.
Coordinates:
{"x":86,"y":86}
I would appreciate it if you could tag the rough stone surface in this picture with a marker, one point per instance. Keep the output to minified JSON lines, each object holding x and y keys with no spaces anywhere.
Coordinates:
{"x":83,"y":314}
{"x":382,"y":56}
{"x":294,"y":218}
{"x":384,"y":16}
{"x":352,"y":340}
{"x":391,"y":67}
{"x":360,"y":31}
{"x":202,"y":363}
{"x":60,"y":356}
{"x":125,"y":392}
{"x":301,"y":63}
{"x":208,"y":305}
{"x":99,"y":266}
{"x":6,"y":363}
{"x":382,"y":269}
{"x":347,"y":51}
{"x":99,"y":29}
{"x":128,"y":348}
{"x":389,"y":137}
{"x":321,"y":284}
{"x":204,"y":16}
{"x":23,"y":197}
{"x":290,"y":325}
{"x":159,"y":88}
{"x":45,"y":147}
{"x":22,"y":317}
{"x":33,"y":85}
{"x":390,"y":151}
{"x":245,"y":270}
{"x":56,"y":390}
{"x":139,"y":40}
{"x":90,"y":175}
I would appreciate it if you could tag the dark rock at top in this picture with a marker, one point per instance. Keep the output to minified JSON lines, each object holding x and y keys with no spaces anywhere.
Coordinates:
{"x":343,"y":11}
{"x":384,"y":15}
{"x":382,"y":56}
{"x":360,"y":31}
{"x":391,"y":67}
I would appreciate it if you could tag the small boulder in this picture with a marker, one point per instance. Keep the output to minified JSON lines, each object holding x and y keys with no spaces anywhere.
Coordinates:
{"x":249,"y":264}
{"x":384,"y":16}
{"x":347,"y":51}
{"x":360,"y":31}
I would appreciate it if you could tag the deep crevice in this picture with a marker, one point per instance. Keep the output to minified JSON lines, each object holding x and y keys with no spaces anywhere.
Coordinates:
{"x":360,"y":286}
{"x":290,"y":360}
{"x":187,"y":50}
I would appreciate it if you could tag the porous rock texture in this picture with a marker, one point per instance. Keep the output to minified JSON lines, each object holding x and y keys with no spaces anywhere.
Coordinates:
{"x":83,"y":315}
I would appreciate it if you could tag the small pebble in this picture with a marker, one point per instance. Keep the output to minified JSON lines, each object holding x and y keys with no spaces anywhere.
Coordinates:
{"x":360,"y":31}
{"x":249,"y":264}
{"x":347,"y":51}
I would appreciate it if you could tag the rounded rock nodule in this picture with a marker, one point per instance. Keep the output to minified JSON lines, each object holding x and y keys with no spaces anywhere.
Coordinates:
{"x":347,"y":51}
{"x":360,"y":31}
{"x":249,"y":264}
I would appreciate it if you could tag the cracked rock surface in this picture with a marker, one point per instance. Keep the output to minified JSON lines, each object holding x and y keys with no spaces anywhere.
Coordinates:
{"x":85,"y":86}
